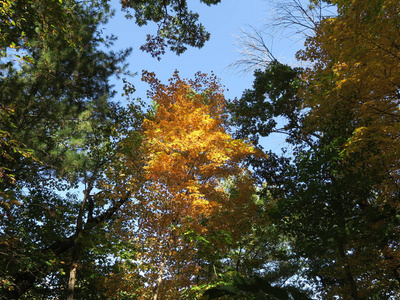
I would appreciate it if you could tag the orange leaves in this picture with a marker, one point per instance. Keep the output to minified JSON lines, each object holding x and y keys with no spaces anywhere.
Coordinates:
{"x":189,"y":160}
{"x":186,"y":142}
{"x":188,"y":149}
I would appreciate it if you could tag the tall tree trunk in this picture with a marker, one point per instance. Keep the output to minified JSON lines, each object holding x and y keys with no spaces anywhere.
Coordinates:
{"x":73,"y":270}
{"x":159,"y":279}
{"x":71,"y":281}
{"x":77,"y":248}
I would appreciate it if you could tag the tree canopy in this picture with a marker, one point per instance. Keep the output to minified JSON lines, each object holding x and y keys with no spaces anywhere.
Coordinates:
{"x":335,"y":196}
{"x":182,"y":200}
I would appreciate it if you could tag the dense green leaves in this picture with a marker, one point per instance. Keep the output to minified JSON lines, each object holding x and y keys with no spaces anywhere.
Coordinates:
{"x":55,"y":101}
{"x":274,"y":94}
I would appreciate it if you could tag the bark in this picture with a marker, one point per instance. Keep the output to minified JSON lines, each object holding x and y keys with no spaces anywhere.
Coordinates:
{"x":71,"y":281}
{"x":76,"y":250}
{"x":159,"y":280}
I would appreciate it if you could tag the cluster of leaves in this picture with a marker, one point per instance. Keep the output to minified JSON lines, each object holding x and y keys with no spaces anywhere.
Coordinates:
{"x":178,"y":27}
{"x":257,"y":288}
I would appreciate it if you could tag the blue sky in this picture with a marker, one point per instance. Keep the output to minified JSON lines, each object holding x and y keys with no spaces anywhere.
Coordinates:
{"x":224,"y":21}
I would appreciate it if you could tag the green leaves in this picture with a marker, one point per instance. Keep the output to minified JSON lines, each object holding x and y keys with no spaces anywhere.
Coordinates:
{"x":58,"y":106}
{"x":274,"y":94}
{"x":178,"y":27}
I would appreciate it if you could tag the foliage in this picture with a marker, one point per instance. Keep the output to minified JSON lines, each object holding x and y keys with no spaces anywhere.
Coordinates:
{"x":59,"y":133}
{"x":363,"y":81}
{"x":178,"y":27}
{"x":356,"y":55}
{"x":24,"y":21}
{"x":62,"y":155}
{"x":187,"y":214}
{"x":99,"y":201}
{"x":274,"y":94}
{"x":336,"y":197}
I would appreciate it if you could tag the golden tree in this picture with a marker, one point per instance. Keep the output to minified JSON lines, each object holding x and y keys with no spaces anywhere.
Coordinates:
{"x":357,"y":58}
{"x":197,"y":199}
{"x":353,"y":96}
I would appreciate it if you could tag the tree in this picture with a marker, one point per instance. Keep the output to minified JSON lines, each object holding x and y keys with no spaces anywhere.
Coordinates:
{"x":355,"y":55}
{"x":186,"y":217}
{"x":362,"y":79}
{"x":60,"y":137}
{"x":335,"y":199}
{"x":55,"y":102}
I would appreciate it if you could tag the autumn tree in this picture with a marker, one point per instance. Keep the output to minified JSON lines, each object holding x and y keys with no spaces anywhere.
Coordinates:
{"x":188,"y":214}
{"x":356,"y":55}
{"x":355,"y":64}
{"x":336,"y":195}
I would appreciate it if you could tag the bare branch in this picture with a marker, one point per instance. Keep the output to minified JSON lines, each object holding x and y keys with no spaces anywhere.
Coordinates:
{"x":290,"y":18}
{"x":299,"y":18}
{"x":254,"y":52}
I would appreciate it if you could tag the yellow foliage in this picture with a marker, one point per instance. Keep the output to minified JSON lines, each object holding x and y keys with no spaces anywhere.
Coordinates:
{"x":357,"y":56}
{"x":353,"y":91}
{"x":189,"y":156}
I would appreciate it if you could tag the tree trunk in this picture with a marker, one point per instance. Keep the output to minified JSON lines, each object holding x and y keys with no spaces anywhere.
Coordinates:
{"x":76,"y":250}
{"x":159,"y":280}
{"x":71,"y":281}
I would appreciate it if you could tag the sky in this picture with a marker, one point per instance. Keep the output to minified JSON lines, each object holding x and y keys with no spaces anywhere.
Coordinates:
{"x":225,"y":22}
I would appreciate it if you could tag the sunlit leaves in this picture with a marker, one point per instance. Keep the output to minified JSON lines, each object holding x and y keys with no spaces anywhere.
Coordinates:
{"x":357,"y":57}
{"x":187,"y":143}
{"x":187,"y":203}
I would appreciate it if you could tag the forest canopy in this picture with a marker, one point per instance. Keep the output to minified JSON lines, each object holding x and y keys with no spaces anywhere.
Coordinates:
{"x":181,"y":199}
